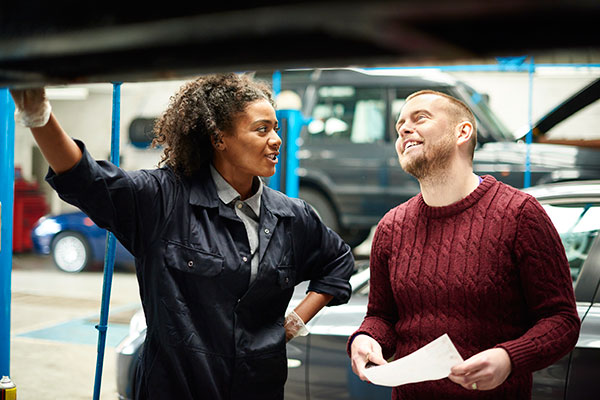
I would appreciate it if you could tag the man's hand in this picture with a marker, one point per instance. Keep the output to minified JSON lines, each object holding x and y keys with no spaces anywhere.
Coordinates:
{"x":484,"y":371}
{"x":364,"y":350}
{"x":32,"y":107}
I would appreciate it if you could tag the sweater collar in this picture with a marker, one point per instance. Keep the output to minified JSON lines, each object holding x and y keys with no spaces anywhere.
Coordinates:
{"x":459,"y":206}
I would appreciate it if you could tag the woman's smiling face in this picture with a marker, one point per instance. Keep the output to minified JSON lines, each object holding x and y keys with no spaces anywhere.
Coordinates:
{"x":251,"y":147}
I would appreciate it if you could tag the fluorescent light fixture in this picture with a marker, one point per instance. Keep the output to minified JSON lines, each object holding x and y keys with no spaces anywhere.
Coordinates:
{"x":67,"y":93}
{"x":566,"y":70}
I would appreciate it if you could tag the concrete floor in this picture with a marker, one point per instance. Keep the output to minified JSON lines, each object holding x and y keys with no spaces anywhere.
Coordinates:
{"x":53,"y":339}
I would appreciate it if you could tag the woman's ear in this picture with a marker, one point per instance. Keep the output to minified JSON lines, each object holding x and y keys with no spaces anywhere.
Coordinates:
{"x":217,"y":141}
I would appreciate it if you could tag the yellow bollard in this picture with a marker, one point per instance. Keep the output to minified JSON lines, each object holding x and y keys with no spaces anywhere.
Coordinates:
{"x":8,"y":389}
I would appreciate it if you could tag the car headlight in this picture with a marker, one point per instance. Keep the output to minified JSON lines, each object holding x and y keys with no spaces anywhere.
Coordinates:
{"x":47,"y":227}
{"x":137,"y":323}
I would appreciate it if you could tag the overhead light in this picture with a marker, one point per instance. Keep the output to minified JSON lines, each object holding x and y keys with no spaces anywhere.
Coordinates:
{"x":566,"y":70}
{"x":67,"y":93}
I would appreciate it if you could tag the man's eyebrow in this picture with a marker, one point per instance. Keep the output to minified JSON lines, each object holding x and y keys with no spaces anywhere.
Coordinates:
{"x":423,"y":110}
{"x":412,"y":114}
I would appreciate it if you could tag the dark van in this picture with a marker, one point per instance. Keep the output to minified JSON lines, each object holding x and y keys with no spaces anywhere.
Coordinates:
{"x":349,"y":170}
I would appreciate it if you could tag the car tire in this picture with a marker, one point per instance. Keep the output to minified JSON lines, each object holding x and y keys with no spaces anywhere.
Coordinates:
{"x":321,"y":205}
{"x":326,"y":212}
{"x":70,"y":252}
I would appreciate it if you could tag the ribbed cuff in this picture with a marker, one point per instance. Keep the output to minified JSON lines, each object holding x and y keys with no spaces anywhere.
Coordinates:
{"x":351,"y":339}
{"x":522,"y":354}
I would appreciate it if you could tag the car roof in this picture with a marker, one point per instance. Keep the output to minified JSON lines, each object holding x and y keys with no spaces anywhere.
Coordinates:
{"x":369,"y":77}
{"x":580,"y":190}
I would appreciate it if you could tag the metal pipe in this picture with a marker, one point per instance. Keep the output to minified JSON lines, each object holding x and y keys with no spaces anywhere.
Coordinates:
{"x":529,"y":137}
{"x":7,"y":180}
{"x":109,"y":257}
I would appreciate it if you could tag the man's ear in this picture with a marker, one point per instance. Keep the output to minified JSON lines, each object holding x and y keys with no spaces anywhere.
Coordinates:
{"x":464,"y":132}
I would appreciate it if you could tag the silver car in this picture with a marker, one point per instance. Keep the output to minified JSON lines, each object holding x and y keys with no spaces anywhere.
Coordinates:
{"x":319,"y":368}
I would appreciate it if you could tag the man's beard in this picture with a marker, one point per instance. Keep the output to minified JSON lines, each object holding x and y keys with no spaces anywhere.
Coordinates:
{"x":431,"y":162}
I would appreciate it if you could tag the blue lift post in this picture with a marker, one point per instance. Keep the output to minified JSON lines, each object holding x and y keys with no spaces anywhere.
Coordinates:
{"x":109,"y":256}
{"x":529,"y":137}
{"x":7,"y":180}
{"x":286,"y":177}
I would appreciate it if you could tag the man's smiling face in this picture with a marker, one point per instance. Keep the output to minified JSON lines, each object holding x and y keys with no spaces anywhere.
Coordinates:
{"x":426,"y":140}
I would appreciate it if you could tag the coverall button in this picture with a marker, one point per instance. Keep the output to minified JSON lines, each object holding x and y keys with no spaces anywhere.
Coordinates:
{"x":190,"y":263}
{"x":245,"y":258}
{"x":239,"y":205}
{"x":267,"y":231}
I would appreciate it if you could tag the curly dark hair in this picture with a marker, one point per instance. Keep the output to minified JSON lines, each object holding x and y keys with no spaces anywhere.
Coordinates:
{"x":198,"y":112}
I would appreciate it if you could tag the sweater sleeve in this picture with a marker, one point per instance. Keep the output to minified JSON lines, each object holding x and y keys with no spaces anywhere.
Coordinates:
{"x":382,"y":313}
{"x":548,"y":291}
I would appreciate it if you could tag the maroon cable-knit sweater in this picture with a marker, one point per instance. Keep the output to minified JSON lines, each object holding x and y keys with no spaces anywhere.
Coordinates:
{"x":489,"y":270}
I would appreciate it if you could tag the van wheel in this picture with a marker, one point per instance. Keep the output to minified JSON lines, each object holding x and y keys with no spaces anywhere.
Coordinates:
{"x":326,"y":212}
{"x":322,"y":207}
{"x":355,"y":236}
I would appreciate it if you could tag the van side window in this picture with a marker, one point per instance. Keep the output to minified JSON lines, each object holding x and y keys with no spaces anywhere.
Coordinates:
{"x":348,"y":114}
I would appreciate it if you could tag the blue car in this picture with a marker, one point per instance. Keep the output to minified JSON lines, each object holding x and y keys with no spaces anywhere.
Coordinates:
{"x":74,"y":242}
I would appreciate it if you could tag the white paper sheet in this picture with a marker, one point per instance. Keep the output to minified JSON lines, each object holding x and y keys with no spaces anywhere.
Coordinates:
{"x":430,"y":362}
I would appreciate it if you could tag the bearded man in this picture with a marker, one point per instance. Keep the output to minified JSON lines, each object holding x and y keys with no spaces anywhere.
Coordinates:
{"x":469,"y":256}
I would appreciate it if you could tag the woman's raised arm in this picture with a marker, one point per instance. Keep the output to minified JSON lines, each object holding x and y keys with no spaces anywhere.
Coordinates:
{"x":33,"y":111}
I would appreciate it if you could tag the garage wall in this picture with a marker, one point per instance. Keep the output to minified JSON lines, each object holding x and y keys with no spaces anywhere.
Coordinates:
{"x":88,"y":117}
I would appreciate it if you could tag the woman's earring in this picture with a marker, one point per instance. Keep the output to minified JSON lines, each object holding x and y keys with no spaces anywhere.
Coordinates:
{"x":218,"y":142}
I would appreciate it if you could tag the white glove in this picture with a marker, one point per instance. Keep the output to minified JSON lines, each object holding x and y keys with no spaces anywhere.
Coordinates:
{"x":294,"y":326}
{"x":32,"y":108}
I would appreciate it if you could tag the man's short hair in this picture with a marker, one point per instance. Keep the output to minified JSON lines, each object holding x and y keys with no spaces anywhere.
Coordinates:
{"x":458,"y":111}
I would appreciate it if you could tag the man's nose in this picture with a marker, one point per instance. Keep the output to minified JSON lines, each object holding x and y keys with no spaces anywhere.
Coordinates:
{"x":405,"y":129}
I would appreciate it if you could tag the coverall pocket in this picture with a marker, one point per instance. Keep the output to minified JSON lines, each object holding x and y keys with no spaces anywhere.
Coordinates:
{"x":193,"y":261}
{"x":286,"y":276}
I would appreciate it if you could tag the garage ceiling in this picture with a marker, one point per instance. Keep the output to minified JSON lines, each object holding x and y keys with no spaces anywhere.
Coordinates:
{"x":76,"y":42}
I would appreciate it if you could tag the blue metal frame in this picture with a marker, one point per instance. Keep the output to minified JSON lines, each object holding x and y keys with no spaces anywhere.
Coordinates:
{"x":7,"y":179}
{"x":529,"y":137}
{"x":291,"y":122}
{"x":109,"y":259}
{"x":294,"y":121}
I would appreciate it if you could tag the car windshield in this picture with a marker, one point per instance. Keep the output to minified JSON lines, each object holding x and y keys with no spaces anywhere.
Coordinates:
{"x":578,"y":225}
